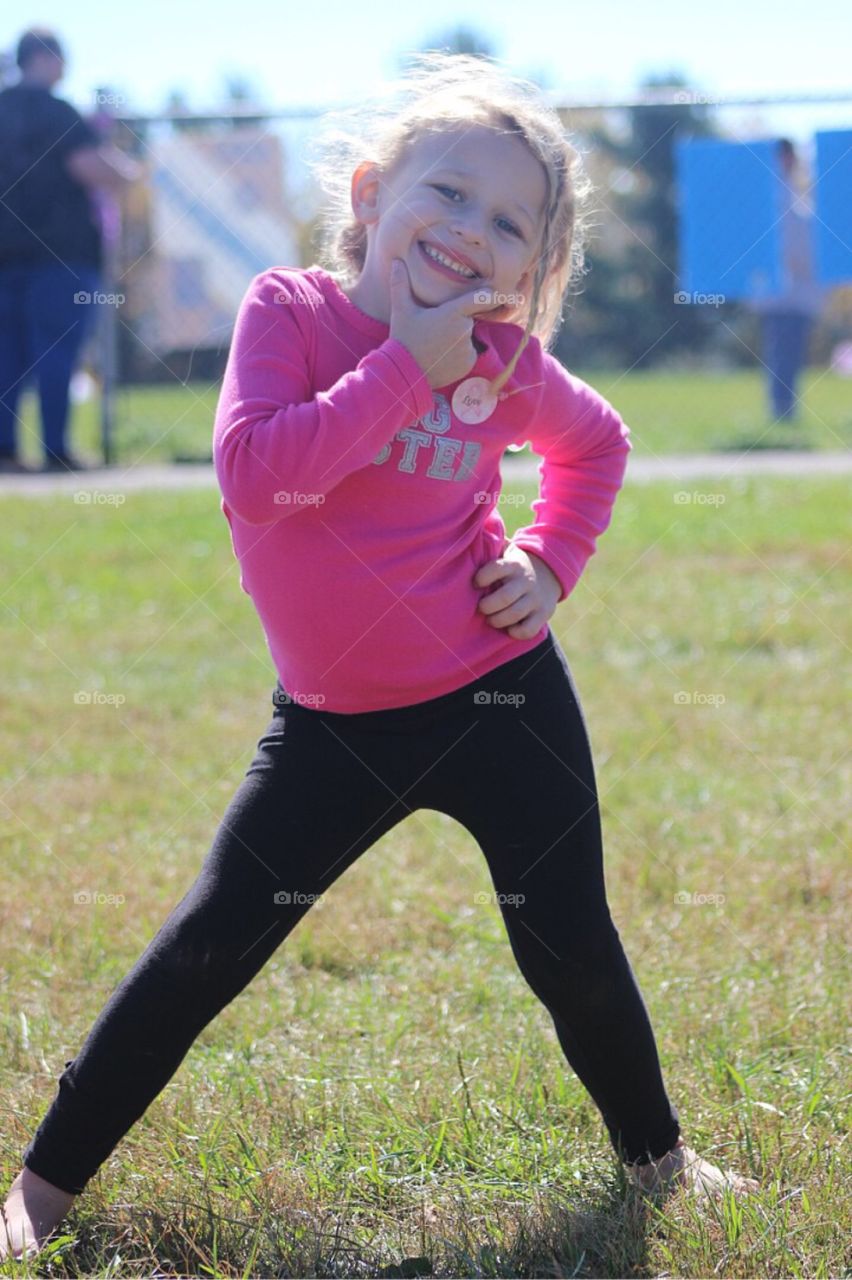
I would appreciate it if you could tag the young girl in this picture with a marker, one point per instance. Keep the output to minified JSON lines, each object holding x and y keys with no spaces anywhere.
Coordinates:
{"x":358,"y":439}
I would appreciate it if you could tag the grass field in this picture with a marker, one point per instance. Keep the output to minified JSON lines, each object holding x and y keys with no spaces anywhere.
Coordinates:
{"x":667,"y":413}
{"x":388,"y":1098}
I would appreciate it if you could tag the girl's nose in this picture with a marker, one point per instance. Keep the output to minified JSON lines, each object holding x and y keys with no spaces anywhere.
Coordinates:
{"x":467,"y":230}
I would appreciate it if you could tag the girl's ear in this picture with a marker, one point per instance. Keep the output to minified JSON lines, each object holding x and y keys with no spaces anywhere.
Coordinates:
{"x":365,"y":192}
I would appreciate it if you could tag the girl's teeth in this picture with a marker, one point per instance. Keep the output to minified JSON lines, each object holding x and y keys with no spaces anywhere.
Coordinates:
{"x":439,"y":257}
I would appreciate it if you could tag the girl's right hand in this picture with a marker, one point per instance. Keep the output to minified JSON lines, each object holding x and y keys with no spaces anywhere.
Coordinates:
{"x":439,"y":338}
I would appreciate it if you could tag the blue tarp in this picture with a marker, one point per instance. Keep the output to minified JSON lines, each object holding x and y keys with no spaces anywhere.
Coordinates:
{"x":728,"y":231}
{"x":833,"y":206}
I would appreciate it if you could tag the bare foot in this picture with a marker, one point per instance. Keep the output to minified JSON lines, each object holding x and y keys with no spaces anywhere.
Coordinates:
{"x":683,"y":1167}
{"x":33,"y":1208}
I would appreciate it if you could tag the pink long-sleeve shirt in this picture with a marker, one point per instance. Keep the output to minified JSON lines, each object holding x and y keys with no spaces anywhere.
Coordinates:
{"x":360,"y":507}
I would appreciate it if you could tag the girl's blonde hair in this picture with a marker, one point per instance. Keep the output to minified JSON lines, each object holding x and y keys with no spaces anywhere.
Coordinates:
{"x":441,"y":92}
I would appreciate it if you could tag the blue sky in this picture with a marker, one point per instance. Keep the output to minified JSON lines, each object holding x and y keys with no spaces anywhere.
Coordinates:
{"x":316,"y":53}
{"x":336,"y":51}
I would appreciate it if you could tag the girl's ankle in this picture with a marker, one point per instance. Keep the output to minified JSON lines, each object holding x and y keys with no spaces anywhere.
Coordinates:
{"x":29,"y":1178}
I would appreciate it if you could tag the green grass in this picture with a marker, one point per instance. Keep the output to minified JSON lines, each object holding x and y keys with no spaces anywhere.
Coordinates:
{"x":388,"y":1089}
{"x":667,"y":413}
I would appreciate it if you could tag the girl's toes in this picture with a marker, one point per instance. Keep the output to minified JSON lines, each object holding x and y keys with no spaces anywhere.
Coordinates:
{"x":736,"y":1182}
{"x":709,"y":1180}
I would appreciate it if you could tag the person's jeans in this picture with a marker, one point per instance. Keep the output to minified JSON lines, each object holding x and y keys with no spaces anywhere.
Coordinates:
{"x":44,"y":319}
{"x":785,"y":350}
{"x":506,"y":755}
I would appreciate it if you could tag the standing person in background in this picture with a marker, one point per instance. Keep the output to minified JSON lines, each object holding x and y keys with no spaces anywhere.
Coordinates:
{"x":788,"y":316}
{"x":50,"y":244}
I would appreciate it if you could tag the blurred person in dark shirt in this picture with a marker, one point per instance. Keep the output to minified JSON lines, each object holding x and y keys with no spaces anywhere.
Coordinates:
{"x":51,"y":255}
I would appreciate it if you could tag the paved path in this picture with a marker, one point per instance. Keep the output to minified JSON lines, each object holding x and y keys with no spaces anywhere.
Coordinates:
{"x":673,"y":467}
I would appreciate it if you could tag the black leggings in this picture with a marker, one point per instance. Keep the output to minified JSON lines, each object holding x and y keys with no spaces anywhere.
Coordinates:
{"x":507,"y":756}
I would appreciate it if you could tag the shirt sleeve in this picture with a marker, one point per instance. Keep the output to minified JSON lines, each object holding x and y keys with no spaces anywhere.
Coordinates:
{"x":273,"y":437}
{"x":72,"y":131}
{"x":584,"y":446}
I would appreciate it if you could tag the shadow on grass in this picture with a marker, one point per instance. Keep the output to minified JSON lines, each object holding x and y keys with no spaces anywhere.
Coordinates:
{"x":603,"y":1234}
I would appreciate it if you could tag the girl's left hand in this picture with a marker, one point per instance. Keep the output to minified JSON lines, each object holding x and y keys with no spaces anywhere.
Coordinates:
{"x":528,"y":596}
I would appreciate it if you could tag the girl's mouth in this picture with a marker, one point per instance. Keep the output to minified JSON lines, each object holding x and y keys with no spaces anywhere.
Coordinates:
{"x":441,"y":267}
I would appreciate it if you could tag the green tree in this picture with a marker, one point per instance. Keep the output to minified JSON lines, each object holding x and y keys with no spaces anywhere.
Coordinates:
{"x":627,"y":312}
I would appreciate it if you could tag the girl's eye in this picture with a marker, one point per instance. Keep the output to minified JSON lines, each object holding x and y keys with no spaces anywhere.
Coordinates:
{"x":515,"y":231}
{"x":438,"y":186}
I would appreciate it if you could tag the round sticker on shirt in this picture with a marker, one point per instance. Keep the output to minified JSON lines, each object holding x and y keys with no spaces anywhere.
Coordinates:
{"x":473,"y":401}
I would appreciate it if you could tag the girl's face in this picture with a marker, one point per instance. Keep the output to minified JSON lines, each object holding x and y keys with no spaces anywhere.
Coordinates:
{"x":473,"y":195}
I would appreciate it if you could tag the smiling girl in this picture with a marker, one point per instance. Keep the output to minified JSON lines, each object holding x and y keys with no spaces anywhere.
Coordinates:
{"x":363,"y":418}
